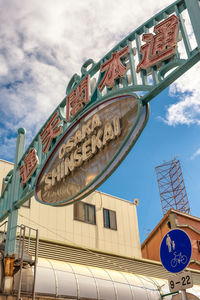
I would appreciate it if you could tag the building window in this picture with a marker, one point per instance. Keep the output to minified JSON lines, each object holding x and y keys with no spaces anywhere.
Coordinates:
{"x":84,"y":212}
{"x":109,"y":217}
{"x":198,"y":245}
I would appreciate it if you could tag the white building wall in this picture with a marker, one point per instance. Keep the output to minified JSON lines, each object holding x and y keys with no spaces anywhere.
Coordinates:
{"x":58,"y":224}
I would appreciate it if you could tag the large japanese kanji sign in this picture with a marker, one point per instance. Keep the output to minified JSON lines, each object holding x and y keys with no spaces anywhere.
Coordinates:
{"x":161,"y":46}
{"x":104,"y":111}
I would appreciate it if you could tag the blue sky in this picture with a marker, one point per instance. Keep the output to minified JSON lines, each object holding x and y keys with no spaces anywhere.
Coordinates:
{"x":43,"y":43}
{"x":158,"y":143}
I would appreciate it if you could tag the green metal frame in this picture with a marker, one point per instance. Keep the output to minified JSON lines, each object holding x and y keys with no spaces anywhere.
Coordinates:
{"x":13,"y":192}
{"x":144,"y":85}
{"x":169,"y":294}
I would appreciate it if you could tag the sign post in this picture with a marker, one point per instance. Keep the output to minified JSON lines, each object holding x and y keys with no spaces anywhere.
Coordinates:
{"x":13,"y":216}
{"x":175,"y":255}
{"x":181,"y":281}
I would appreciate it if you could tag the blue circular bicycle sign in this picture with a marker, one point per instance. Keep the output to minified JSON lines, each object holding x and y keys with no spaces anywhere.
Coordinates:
{"x":175,"y":251}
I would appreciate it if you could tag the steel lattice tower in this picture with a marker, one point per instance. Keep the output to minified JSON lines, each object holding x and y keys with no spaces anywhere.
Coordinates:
{"x":172,"y":187}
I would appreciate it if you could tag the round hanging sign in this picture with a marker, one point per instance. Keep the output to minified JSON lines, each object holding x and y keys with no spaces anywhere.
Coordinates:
{"x":91,"y":150}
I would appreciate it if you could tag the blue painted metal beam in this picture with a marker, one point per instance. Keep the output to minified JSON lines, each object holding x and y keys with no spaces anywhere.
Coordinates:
{"x":172,"y":77}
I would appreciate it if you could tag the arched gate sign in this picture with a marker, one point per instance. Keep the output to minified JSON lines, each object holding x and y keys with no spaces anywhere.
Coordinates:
{"x":102,"y":115}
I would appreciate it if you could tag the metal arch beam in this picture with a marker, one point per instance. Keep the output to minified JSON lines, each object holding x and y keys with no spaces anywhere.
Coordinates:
{"x":173,"y":76}
{"x":13,"y":196}
{"x":151,"y":90}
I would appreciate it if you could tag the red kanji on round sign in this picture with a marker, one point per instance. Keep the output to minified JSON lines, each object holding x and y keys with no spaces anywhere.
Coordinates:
{"x":160,"y":46}
{"x":28,"y":168}
{"x":76,"y":100}
{"x":51,"y":130}
{"x":113,"y":69}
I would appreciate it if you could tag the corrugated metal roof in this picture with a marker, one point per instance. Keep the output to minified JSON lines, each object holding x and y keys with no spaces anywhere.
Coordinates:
{"x":66,"y":253}
{"x":72,"y":281}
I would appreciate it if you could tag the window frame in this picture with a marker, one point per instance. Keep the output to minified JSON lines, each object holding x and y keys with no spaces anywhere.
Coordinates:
{"x":86,"y":216}
{"x":109,"y":226}
{"x":198,"y":245}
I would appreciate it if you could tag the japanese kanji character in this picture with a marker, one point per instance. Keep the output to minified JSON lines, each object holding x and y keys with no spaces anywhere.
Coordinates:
{"x":30,"y":164}
{"x":76,"y":100}
{"x":113,"y":69}
{"x":160,"y":46}
{"x":51,"y":130}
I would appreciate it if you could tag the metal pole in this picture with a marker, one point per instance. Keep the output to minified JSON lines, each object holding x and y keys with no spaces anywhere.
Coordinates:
{"x":13,"y":215}
{"x":9,"y":252}
{"x":29,"y":238}
{"x":35,"y":266}
{"x":184,"y":295}
{"x":21,"y":265}
{"x":20,"y":239}
{"x":173,"y":293}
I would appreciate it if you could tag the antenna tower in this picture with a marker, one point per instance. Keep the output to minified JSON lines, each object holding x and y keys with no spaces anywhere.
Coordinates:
{"x":172,"y":187}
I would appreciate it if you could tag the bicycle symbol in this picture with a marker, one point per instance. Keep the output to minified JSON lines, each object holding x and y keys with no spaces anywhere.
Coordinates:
{"x":178,"y":259}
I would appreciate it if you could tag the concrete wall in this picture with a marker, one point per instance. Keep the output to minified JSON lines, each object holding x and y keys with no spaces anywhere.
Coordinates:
{"x":58,"y":224}
{"x":5,"y":167}
{"x":191,"y":226}
{"x":151,"y":247}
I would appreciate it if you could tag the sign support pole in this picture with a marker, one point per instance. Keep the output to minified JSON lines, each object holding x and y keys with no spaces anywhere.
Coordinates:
{"x":13,"y":216}
{"x":184,"y":295}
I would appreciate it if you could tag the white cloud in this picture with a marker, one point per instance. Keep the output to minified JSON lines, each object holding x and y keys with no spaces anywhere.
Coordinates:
{"x":188,"y":82}
{"x":43,"y":43}
{"x":197,"y":153}
{"x":187,"y":90}
{"x":8,"y":148}
{"x":3,"y":68}
{"x":187,"y":109}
